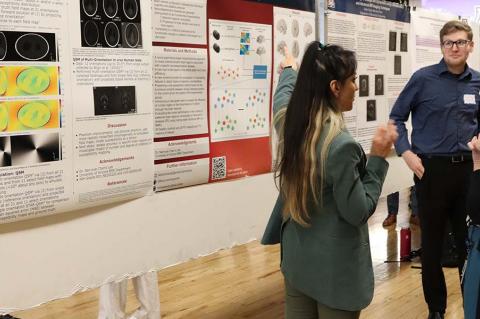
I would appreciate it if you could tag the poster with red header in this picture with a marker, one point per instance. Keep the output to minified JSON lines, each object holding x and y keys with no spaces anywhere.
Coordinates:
{"x":212,"y":79}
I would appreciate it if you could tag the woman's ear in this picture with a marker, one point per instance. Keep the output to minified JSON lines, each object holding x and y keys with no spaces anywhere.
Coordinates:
{"x":335,"y":87}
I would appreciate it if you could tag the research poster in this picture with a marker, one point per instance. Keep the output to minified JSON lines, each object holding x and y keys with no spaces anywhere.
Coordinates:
{"x":75,"y":105}
{"x":211,"y":92}
{"x":379,"y":34}
{"x":426,"y":26}
{"x":293,"y":30}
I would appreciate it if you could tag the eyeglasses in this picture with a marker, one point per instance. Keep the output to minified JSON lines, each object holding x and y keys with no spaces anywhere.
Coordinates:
{"x":460,"y":43}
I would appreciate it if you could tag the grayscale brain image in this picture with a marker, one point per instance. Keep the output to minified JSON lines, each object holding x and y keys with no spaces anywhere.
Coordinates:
{"x":110,"y":23}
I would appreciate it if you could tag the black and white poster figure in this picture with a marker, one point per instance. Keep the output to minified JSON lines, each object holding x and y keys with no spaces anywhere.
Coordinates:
{"x":113,"y":298}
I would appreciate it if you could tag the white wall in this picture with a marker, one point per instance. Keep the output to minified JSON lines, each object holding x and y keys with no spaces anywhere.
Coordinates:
{"x":56,"y":256}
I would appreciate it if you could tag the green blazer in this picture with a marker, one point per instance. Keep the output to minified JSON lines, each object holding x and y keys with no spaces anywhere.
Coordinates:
{"x":330,"y":260}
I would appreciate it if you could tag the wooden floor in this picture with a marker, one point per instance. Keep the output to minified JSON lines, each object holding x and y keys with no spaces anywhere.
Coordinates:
{"x":245,"y":282}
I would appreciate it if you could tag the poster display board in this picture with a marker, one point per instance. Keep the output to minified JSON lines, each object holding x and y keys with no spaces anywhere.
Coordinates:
{"x":379,"y":34}
{"x":426,"y":26}
{"x":75,"y":105}
{"x":212,"y":89}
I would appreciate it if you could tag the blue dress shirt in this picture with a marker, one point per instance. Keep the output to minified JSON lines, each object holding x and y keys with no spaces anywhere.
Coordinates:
{"x":444,"y":108}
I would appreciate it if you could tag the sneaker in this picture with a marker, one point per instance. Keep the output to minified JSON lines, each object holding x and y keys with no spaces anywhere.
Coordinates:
{"x":414,"y":220}
{"x":390,"y":220}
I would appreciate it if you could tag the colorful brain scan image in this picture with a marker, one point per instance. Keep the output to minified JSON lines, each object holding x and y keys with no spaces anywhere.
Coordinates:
{"x":33,"y":115}
{"x":3,"y":81}
{"x":29,"y":80}
{"x":3,"y":117}
{"x":244,"y":49}
{"x":256,"y":122}
{"x":225,"y":100}
{"x":33,"y":81}
{"x":225,"y":125}
{"x":245,"y":37}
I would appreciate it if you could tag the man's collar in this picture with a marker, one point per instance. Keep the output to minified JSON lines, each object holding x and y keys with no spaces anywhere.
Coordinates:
{"x":442,"y":68}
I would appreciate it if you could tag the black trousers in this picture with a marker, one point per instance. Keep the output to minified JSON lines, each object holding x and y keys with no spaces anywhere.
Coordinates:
{"x":441,"y":195}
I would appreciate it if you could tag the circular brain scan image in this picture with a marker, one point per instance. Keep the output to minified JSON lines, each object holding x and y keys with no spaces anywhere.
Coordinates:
{"x":33,"y":80}
{"x":3,"y":46}
{"x":3,"y":117}
{"x":34,"y":115}
{"x":110,"y":7}
{"x":130,"y":8}
{"x":112,"y":34}
{"x":3,"y":82}
{"x":91,"y":34}
{"x":132,"y":35}
{"x":90,"y":7}
{"x":216,"y":34}
{"x":295,"y":28}
{"x":32,"y":46}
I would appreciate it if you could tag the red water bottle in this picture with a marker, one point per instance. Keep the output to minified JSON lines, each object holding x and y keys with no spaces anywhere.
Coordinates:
{"x":405,"y":244}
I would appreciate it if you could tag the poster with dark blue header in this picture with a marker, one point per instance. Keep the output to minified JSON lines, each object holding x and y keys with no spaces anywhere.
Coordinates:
{"x":372,"y":8}
{"x":379,"y":33}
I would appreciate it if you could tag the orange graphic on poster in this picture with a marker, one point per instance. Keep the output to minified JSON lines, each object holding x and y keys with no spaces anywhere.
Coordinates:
{"x":3,"y":117}
{"x":28,"y":81}
{"x":32,"y":115}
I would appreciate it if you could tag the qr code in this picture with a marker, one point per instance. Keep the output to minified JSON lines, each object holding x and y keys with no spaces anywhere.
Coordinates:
{"x":219,"y":167}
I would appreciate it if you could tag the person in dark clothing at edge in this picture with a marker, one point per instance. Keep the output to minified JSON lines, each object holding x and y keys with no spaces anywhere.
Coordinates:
{"x":444,"y":102}
{"x":471,"y":277}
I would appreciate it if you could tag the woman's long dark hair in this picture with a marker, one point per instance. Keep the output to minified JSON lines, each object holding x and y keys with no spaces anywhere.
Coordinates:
{"x":311,"y":106}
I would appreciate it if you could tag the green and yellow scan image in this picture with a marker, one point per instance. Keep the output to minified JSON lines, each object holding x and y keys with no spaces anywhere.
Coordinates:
{"x":33,"y":80}
{"x":34,"y":115}
{"x":3,"y":81}
{"x":3,"y":117}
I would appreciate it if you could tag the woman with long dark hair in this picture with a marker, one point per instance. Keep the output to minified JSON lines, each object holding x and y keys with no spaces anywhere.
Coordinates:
{"x":328,"y":189}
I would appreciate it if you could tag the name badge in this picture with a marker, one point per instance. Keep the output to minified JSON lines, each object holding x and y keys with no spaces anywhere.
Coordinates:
{"x":469,"y":99}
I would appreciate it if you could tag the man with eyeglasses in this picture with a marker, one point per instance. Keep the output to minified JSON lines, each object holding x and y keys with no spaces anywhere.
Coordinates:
{"x":443,"y":100}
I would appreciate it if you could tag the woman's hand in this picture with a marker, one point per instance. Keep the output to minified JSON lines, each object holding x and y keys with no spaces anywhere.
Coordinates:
{"x":383,"y":140}
{"x":474,"y":145}
{"x":289,"y":60}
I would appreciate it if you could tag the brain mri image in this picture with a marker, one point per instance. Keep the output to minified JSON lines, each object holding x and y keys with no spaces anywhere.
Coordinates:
{"x":379,"y":84}
{"x":110,"y":7}
{"x":3,"y":46}
{"x":130,"y":8}
{"x":282,"y":26}
{"x":111,"y":23}
{"x":371,"y":110}
{"x":111,"y":100}
{"x":281,"y":47}
{"x":112,"y":34}
{"x":3,"y":117}
{"x":261,"y":51}
{"x":32,"y":46}
{"x":392,"y":41}
{"x":34,"y":115}
{"x":295,"y":28}
{"x":216,"y":48}
{"x":363,"y":89}
{"x":131,"y":33}
{"x":307,"y":29}
{"x":260,"y":39}
{"x":27,"y":46}
{"x":295,"y":49}
{"x":33,"y":80}
{"x":91,"y":34}
{"x":216,"y":35}
{"x":404,"y":42}
{"x":90,"y":7}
